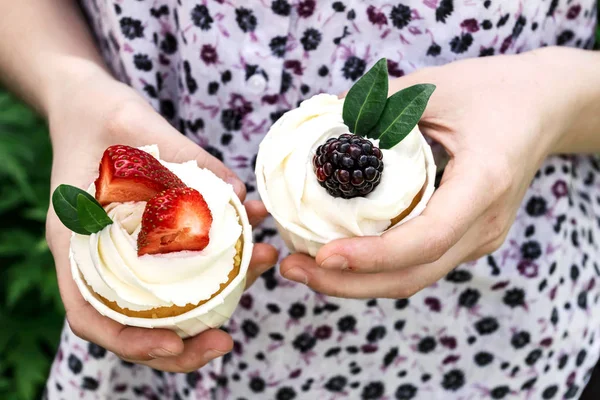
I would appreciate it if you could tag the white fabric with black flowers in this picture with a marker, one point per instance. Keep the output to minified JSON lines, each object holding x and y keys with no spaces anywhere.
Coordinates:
{"x":522,"y":323}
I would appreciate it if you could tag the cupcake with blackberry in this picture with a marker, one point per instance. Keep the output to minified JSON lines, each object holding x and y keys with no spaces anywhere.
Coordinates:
{"x":336,"y":168}
{"x":157,"y":244}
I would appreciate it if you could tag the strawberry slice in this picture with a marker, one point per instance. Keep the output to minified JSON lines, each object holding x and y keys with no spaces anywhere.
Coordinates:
{"x":175,"y":220}
{"x":129,"y":174}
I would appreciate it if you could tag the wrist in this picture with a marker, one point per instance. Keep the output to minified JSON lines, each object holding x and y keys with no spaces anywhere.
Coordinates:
{"x":570,"y":89}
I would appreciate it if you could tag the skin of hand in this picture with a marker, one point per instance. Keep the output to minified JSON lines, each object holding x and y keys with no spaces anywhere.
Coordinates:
{"x":84,"y":120}
{"x":498,"y":118}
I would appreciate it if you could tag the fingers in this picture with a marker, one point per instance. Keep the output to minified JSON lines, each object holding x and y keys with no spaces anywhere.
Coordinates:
{"x":197,"y":352}
{"x":256,"y":212}
{"x":264,"y":257}
{"x":461,"y":198}
{"x":174,"y":147}
{"x":395,"y":284}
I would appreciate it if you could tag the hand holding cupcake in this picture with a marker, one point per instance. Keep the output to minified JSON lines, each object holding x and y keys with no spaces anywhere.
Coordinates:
{"x":161,"y":244}
{"x":337,"y":168}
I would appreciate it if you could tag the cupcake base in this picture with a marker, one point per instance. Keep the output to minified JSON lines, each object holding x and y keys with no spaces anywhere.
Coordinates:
{"x":172,"y":311}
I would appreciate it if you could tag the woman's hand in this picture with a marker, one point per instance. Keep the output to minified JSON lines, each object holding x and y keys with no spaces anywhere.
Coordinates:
{"x":84,"y":120}
{"x":498,"y":118}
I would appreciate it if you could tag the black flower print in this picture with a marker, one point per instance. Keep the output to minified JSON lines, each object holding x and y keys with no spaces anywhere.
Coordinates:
{"x":346,"y":324}
{"x":459,"y":276}
{"x":394,"y":69}
{"x":336,"y":383}
{"x":167,"y":108}
{"x":520,"y":339}
{"x":245,"y":19}
{"x":453,"y":380}
{"x":131,"y":28}
{"x":531,"y":250}
{"x":95,"y":351}
{"x":190,"y":82}
{"x":89,"y":383}
{"x":434,"y":50}
{"x":460,"y":44}
{"x":533,"y":357}
{"x":304,"y":342}
{"x":201,"y":17}
{"x":192,"y":378}
{"x":231,"y":119}
{"x":281,"y":7}
{"x":487,"y":325}
{"x":514,"y":298}
{"x":444,"y":10}
{"x":142,"y":62}
{"x":277,"y":45}
{"x":257,"y":384}
{"x":297,"y":310}
{"x":499,"y":392}
{"x":486,"y":52}
{"x":338,"y":6}
{"x":483,"y":358}
{"x":75,"y":364}
{"x":212,"y":88}
{"x":310,"y":39}
{"x":552,"y":8}
{"x":400,"y":16}
{"x":354,"y":68}
{"x":549,"y":392}
{"x":373,"y":391}
{"x":376,"y":333}
{"x":565,"y":37}
{"x":426,"y":345}
{"x":536,"y":206}
{"x":468,"y":298}
{"x":169,"y":44}
{"x":159,"y":12}
{"x":250,"y":328}
{"x":285,"y":393}
{"x":406,"y":392}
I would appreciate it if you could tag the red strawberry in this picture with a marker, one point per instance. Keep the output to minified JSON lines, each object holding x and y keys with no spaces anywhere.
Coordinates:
{"x":174,"y":220}
{"x":129,"y":174}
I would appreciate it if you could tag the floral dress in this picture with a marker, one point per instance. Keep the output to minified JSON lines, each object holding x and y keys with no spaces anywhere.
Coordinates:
{"x":521,"y":323}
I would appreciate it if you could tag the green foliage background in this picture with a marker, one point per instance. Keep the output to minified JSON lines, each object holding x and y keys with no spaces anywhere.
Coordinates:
{"x":31,"y":312}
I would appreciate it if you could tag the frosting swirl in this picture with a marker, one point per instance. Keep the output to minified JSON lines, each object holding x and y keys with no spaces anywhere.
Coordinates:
{"x":294,"y":195}
{"x":109,"y":262}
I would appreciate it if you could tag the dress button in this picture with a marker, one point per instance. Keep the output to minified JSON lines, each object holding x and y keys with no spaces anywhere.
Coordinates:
{"x":257,"y":84}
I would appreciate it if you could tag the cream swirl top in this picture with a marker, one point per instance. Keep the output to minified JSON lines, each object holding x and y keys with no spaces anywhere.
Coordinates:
{"x":297,"y":200}
{"x":109,"y":262}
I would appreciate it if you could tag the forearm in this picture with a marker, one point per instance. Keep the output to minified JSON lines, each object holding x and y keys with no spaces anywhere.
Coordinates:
{"x":572,"y":81}
{"x":45,"y":47}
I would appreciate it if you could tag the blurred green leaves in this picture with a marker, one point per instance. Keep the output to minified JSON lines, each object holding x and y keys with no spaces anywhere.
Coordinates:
{"x":31,"y":312}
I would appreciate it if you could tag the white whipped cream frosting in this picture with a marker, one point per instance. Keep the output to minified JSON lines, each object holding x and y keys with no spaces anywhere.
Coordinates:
{"x":109,"y":262}
{"x":297,"y":200}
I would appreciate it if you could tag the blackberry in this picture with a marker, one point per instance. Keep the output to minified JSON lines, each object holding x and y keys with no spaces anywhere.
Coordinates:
{"x":348,"y":166}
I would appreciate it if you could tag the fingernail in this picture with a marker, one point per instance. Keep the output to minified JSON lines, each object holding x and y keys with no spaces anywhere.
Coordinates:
{"x":335,"y":262}
{"x":296,"y":274}
{"x":212,"y":354}
{"x":238,"y":186}
{"x":161,"y":353}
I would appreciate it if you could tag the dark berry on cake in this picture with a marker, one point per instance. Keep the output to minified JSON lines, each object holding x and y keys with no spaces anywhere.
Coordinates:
{"x":348,"y":166}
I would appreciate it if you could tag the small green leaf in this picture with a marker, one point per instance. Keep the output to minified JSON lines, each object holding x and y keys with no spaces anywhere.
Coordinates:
{"x":402,"y":112}
{"x":64,"y":201}
{"x":365,"y":101}
{"x":91,"y":215}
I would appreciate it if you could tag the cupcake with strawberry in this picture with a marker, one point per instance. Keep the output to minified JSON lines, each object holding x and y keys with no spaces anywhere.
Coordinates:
{"x":157,"y":244}
{"x":337,"y":168}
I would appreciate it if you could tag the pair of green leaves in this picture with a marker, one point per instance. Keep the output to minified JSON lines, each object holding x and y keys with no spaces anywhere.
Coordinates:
{"x":369,"y":112}
{"x":78,"y":210}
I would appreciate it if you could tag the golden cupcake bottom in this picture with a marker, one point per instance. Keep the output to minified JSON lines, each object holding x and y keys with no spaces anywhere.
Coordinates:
{"x":411,"y":207}
{"x":172,"y":311}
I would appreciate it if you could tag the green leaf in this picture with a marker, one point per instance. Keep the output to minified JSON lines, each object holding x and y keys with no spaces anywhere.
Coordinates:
{"x":402,"y":112}
{"x":365,"y":101}
{"x":64,"y":201}
{"x":91,"y":215}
